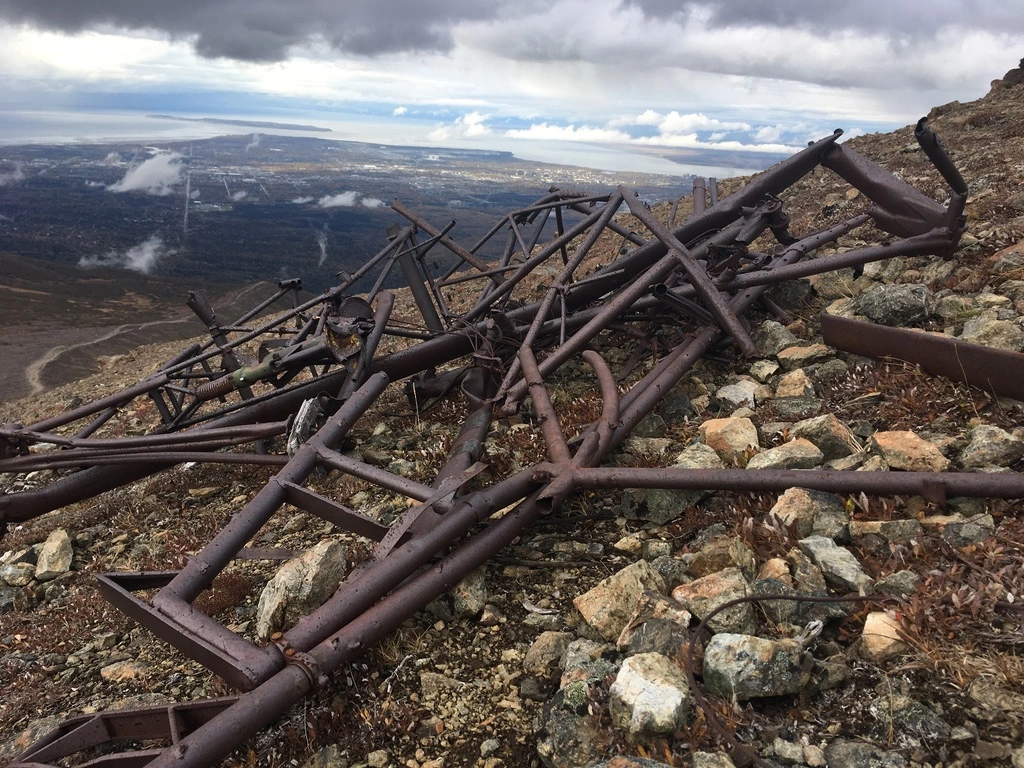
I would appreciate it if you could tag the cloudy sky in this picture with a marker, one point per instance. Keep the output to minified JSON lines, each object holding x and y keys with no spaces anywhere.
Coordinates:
{"x":731,"y":74}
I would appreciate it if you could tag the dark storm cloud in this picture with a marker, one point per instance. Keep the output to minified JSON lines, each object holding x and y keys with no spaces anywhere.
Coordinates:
{"x":887,"y":17}
{"x":263,"y":30}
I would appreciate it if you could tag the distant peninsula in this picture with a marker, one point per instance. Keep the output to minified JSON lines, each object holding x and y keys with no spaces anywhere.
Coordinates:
{"x":244,"y":123}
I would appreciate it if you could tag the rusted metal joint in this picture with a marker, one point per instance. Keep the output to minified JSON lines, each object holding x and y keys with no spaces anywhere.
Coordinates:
{"x":309,"y":666}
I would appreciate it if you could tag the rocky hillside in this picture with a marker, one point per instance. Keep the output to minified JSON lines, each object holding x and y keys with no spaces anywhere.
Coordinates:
{"x":584,"y":644}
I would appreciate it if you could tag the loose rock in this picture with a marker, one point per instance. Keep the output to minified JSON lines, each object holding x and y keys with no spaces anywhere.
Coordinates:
{"x":609,"y":605}
{"x":55,"y":557}
{"x":796,"y":454}
{"x":833,"y":438}
{"x":880,"y":639}
{"x":747,"y":667}
{"x":300,"y":586}
{"x":838,"y":565}
{"x":650,"y":695}
{"x":896,"y":305}
{"x":906,"y":450}
{"x":732,"y":439}
{"x":991,"y":446}
{"x":702,"y":596}
{"x":812,"y":512}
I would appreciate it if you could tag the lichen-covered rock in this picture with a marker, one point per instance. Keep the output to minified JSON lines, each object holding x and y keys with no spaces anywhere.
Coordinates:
{"x":907,"y":450}
{"x":742,"y":393}
{"x":704,"y":595}
{"x":650,"y":695}
{"x":568,"y":736}
{"x":797,"y":408}
{"x":300,"y":586}
{"x":543,"y":657}
{"x":801,"y":355}
{"x":859,"y":754}
{"x":661,"y":505}
{"x":17,"y":574}
{"x":961,"y":533}
{"x":610,"y":605}
{"x":772,"y":337}
{"x":899,"y":584}
{"x":748,"y":667}
{"x":869,"y":532}
{"x":628,"y":761}
{"x":812,"y":513}
{"x":780,"y":612}
{"x":795,"y":384}
{"x":991,"y":331}
{"x":833,"y":438}
{"x":809,"y":580}
{"x":796,"y":454}
{"x":732,"y":439}
{"x":910,"y":721}
{"x":55,"y":556}
{"x":124,"y":671}
{"x":581,"y":652}
{"x":991,"y":446}
{"x":469,"y":596}
{"x":838,"y":565}
{"x":897,"y":305}
{"x":712,"y":760}
{"x":721,"y":553}
{"x":668,"y":637}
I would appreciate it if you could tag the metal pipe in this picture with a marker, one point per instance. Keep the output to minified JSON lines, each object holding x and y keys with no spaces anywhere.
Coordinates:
{"x":699,"y":278}
{"x":997,"y":485}
{"x":193,"y":578}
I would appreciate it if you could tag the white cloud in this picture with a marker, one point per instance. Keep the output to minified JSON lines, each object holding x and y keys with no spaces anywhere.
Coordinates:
{"x":140,"y":258}
{"x":341,"y":200}
{"x":581,"y":63}
{"x":547,"y":132}
{"x":9,"y":177}
{"x":676,"y":122}
{"x":371,"y":202}
{"x":692,"y":141}
{"x":303,"y":200}
{"x":155,"y":176}
{"x":467,"y":126}
{"x":239,"y":196}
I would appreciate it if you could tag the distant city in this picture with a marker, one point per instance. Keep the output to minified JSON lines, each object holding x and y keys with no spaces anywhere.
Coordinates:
{"x":238,"y":208}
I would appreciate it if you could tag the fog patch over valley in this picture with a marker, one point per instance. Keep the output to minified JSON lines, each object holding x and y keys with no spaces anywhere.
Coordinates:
{"x":156,"y":176}
{"x":140,"y":258}
{"x":9,"y":177}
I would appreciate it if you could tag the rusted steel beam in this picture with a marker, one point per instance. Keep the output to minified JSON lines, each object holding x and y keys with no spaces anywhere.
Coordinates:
{"x":395,"y":241}
{"x":932,"y":146}
{"x":446,"y":241}
{"x":897,"y":207}
{"x":491,"y":296}
{"x":699,"y":278}
{"x":558,"y":287}
{"x":700,"y":196}
{"x":995,"y":485}
{"x":414,"y":278}
{"x":994,"y":370}
{"x":611,"y":309}
{"x":167,"y":723}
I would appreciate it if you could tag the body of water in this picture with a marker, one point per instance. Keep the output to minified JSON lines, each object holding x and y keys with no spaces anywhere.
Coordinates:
{"x":22,"y":127}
